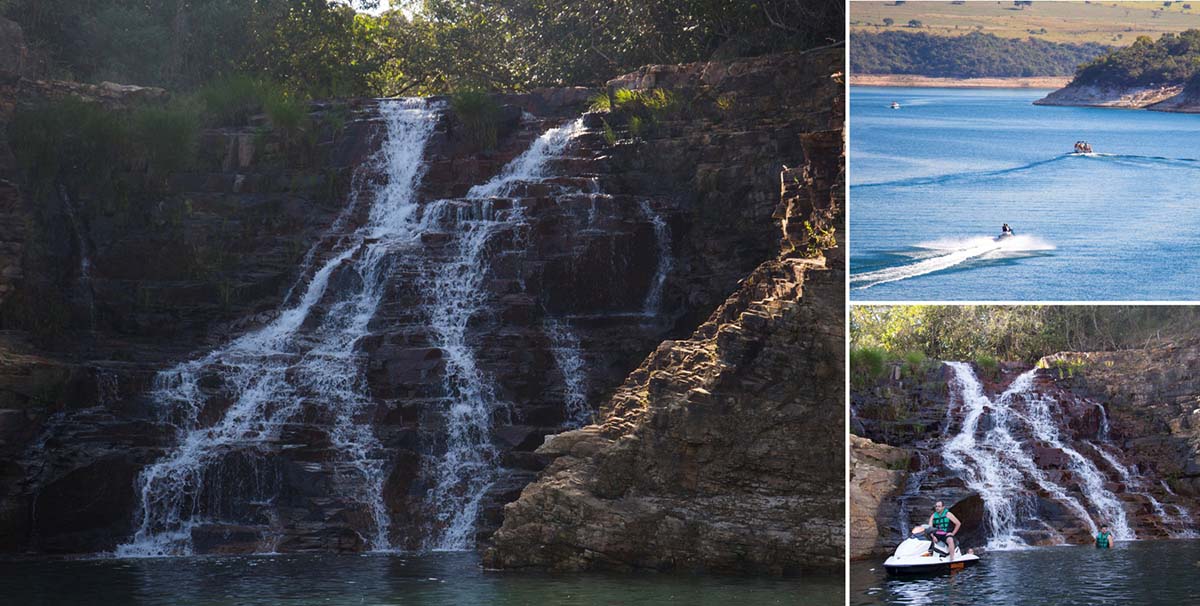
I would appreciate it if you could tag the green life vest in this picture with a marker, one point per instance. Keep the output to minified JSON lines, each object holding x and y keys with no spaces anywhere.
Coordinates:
{"x":1102,"y":540}
{"x":941,"y":521}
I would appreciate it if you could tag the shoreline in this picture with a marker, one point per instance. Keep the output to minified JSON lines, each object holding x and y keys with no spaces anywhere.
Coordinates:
{"x":914,"y":81}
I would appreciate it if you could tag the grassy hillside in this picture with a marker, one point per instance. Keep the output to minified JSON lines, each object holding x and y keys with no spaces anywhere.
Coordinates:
{"x":1111,"y":23}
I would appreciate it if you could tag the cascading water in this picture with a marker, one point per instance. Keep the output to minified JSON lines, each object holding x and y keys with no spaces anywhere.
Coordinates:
{"x":997,"y":467}
{"x":455,"y":293}
{"x":306,"y":355}
{"x":1102,"y":499}
{"x":568,"y":356}
{"x":662,"y":235}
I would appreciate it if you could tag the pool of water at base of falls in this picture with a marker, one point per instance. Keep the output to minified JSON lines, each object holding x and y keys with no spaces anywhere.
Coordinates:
{"x":448,"y":578}
{"x":1136,"y":572}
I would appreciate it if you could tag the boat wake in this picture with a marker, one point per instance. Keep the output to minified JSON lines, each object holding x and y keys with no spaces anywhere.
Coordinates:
{"x":940,"y":255}
{"x":1132,"y":159}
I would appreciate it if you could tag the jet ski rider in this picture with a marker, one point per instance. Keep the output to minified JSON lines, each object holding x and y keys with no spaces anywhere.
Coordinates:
{"x":1006,"y":230}
{"x":942,"y":520}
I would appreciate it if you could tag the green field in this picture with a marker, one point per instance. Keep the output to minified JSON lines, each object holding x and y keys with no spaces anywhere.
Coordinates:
{"x":1115,"y":23}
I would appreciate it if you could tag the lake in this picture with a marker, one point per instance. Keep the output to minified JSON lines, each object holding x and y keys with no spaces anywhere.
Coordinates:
{"x":431,"y":579}
{"x":1140,"y":572}
{"x":931,"y":184}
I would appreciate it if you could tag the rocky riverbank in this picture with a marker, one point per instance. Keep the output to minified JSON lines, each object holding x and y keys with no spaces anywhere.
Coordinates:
{"x":1156,"y":98}
{"x":721,"y":452}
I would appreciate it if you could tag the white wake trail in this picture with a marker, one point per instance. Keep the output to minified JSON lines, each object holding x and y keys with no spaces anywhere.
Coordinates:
{"x":955,"y":252}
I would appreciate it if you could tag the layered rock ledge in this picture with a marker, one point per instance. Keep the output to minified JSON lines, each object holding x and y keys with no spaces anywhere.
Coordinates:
{"x":724,"y":451}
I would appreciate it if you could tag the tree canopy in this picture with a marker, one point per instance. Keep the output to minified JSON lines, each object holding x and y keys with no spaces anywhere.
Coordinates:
{"x":975,"y":55}
{"x":328,"y":48}
{"x":1171,"y":60}
{"x":1014,"y":333}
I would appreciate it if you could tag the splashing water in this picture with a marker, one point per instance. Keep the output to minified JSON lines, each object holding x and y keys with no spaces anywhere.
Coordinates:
{"x":271,"y":373}
{"x":568,"y":356}
{"x":662,"y":236}
{"x":951,"y":253}
{"x":997,"y":466}
{"x":455,"y":293}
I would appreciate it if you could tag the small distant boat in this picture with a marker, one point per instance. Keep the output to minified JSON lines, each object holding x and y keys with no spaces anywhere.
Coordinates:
{"x":895,"y":105}
{"x":1083,"y":147}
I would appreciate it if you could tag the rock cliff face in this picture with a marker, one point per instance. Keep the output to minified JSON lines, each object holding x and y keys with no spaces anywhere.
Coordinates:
{"x":723,"y":451}
{"x":877,"y":476}
{"x":560,"y":315}
{"x":1106,"y":436}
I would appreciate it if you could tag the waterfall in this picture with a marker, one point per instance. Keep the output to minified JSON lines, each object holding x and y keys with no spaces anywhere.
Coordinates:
{"x":1102,"y":499}
{"x":912,"y":487}
{"x":1184,"y":516}
{"x":455,"y":292}
{"x":306,"y":355}
{"x":568,"y":356}
{"x":85,"y":256}
{"x":662,"y":235}
{"x":997,"y":466}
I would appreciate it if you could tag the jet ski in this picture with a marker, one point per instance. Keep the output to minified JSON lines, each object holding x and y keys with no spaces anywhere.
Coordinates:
{"x":1004,"y":235}
{"x":895,"y":105}
{"x":920,"y":553}
{"x":1083,"y":147}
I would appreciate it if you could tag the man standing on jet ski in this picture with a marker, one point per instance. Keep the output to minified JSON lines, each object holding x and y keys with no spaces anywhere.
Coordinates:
{"x":942,"y":520}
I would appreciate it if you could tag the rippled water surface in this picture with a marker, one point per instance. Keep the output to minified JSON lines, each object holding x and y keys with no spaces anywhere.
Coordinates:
{"x":932,"y":182}
{"x":1146,"y":572}
{"x":437,"y":579}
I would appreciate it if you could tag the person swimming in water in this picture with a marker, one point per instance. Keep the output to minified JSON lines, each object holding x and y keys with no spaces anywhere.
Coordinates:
{"x":1104,"y":540}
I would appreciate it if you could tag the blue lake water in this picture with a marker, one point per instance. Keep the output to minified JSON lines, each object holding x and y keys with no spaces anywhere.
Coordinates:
{"x":931,"y":184}
{"x":1141,"y":572}
{"x":438,"y":579}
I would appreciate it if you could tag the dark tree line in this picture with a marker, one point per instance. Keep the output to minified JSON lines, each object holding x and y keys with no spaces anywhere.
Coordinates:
{"x":323,"y":47}
{"x":975,"y":55}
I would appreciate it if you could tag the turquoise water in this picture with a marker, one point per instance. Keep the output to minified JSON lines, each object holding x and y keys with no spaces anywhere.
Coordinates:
{"x":1145,"y":572}
{"x":436,"y":579}
{"x":931,"y":183}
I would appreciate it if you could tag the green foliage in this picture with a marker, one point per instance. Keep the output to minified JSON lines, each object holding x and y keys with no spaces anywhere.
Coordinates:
{"x":599,"y":102}
{"x":1173,"y":59}
{"x":68,"y":141}
{"x":914,"y":362}
{"x":326,"y":48}
{"x":479,"y":114}
{"x":1068,"y":366}
{"x":867,"y":364}
{"x":635,"y":126}
{"x":287,"y":112}
{"x":975,"y":55}
{"x":988,"y":364}
{"x":610,"y":135}
{"x":232,"y":100}
{"x":818,"y":239}
{"x":167,"y":136}
{"x":1014,"y":333}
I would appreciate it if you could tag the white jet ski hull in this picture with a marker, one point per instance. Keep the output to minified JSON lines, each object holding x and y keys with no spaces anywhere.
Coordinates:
{"x":918,"y":556}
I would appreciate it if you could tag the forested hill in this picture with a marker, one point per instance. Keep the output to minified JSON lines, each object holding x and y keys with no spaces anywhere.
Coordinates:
{"x":975,"y":55}
{"x":337,"y":48}
{"x":1171,"y":60}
